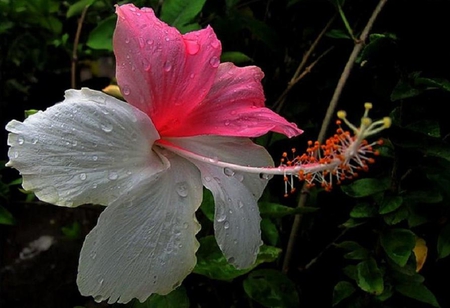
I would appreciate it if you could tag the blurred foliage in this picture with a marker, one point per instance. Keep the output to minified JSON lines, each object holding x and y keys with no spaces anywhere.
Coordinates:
{"x":379,"y":241}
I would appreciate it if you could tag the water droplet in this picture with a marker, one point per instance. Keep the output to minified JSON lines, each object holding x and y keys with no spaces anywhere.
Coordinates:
{"x":167,"y":38}
{"x":146,"y":64}
{"x":167,"y":66}
{"x":16,"y":154}
{"x":192,"y":47}
{"x":74,"y":143}
{"x":98,"y":298}
{"x":150,"y":42}
{"x":35,"y":140}
{"x":228,"y":172}
{"x":221,"y":216}
{"x":215,"y":44}
{"x":182,"y":189}
{"x":107,"y":127}
{"x":231,"y":260}
{"x":233,"y":112}
{"x":83,"y":176}
{"x":141,"y":42}
{"x":126,"y":90}
{"x":113,"y":176}
{"x":127,"y":40}
{"x":104,"y":111}
{"x":20,"y":140}
{"x":95,"y":158}
{"x":265,"y":176}
{"x":240,"y":204}
{"x":239,"y":177}
{"x":207,"y":179}
{"x":226,"y":225}
{"x":214,"y":62}
{"x":100,"y":281}
{"x":227,"y":122}
{"x":185,"y":225}
{"x":93,"y":255}
{"x":192,"y":76}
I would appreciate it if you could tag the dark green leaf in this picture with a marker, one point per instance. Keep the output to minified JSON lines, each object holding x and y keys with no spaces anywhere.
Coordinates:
{"x":342,"y":290}
{"x":365,"y":187}
{"x":424,"y":196}
{"x":175,"y":299}
{"x":363,"y":210}
{"x":351,"y":271}
{"x":73,"y":231}
{"x":356,"y":251}
{"x":395,"y":217}
{"x":179,"y":13}
{"x":338,"y":34}
{"x":269,"y":231}
{"x":428,"y":127}
{"x":398,"y":244}
{"x":213,"y":264}
{"x":101,"y":36}
{"x":78,"y":7}
{"x":369,"y":277}
{"x":235,"y":57}
{"x":390,"y":204}
{"x":418,"y":292}
{"x":443,"y":244}
{"x":6,"y":218}
{"x":269,"y":209}
{"x":271,"y":288}
{"x":207,"y":206}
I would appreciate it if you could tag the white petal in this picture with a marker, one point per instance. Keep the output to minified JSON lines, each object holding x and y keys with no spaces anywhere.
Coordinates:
{"x":240,"y":151}
{"x":145,"y":243}
{"x":237,"y":220}
{"x":88,"y":149}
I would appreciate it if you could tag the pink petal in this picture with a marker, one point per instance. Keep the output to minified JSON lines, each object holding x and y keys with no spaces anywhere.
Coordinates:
{"x":234,"y":107}
{"x":160,"y":71}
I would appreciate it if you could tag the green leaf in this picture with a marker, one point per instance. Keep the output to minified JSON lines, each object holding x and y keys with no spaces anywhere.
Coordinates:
{"x":428,"y":127}
{"x":369,"y":277}
{"x":72,"y":231}
{"x":269,"y":231}
{"x":236,"y":57}
{"x":395,"y":217}
{"x":207,"y":206}
{"x":213,"y":264}
{"x":365,"y":187}
{"x":268,"y":209}
{"x":398,"y":244}
{"x":6,"y":218}
{"x":356,"y":251}
{"x":418,"y":292}
{"x":424,"y":196}
{"x":175,"y":299}
{"x":342,"y":290}
{"x":271,"y":288}
{"x":101,"y":36}
{"x":338,"y":34}
{"x":390,"y":204}
{"x":78,"y":7}
{"x":443,"y":244}
{"x":363,"y":210}
{"x":353,"y":222}
{"x":179,"y":13}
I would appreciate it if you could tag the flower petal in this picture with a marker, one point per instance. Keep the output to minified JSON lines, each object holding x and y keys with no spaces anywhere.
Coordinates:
{"x":144,"y":243}
{"x":237,"y":220}
{"x":234,"y":107}
{"x":91,"y":148}
{"x":159,"y":70}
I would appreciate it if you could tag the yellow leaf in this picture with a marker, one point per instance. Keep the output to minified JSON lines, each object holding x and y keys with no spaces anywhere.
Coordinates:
{"x":113,"y":90}
{"x":420,"y":251}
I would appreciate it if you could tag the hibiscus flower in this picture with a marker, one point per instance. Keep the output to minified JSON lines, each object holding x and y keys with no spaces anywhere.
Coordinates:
{"x":185,"y":126}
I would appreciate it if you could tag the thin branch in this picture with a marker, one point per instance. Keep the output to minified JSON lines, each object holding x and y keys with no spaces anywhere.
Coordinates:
{"x":330,"y":112}
{"x":73,"y":81}
{"x":296,"y":78}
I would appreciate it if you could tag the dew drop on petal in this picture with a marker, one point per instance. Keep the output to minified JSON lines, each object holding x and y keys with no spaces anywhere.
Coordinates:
{"x":182,"y":189}
{"x":185,"y":225}
{"x":167,"y":66}
{"x":214,"y":62}
{"x":94,"y":158}
{"x":127,"y":40}
{"x":226,"y":225}
{"x":192,"y":47}
{"x":113,"y":176}
{"x":227,"y":122}
{"x":20,"y":140}
{"x":265,"y":176}
{"x":215,"y":44}
{"x":83,"y":176}
{"x":228,"y":172}
{"x":233,"y":112}
{"x":126,"y":90}
{"x":231,"y":260}
{"x":150,"y":42}
{"x":240,"y":204}
{"x":239,"y":177}
{"x":146,"y":64}
{"x":107,"y":127}
{"x":207,"y":179}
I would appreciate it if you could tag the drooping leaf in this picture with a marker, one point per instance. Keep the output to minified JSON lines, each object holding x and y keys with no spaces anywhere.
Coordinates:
{"x":101,"y":36}
{"x":418,"y":292}
{"x":370,"y":278}
{"x":420,"y":252}
{"x":213,"y":264}
{"x":271,"y":288}
{"x":398,"y":244}
{"x":365,"y":187}
{"x":179,"y":13}
{"x":342,"y":290}
{"x":443,"y":244}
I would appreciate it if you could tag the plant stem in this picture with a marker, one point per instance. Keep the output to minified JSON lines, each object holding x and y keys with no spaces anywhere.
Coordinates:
{"x":73,"y":81}
{"x":330,"y":112}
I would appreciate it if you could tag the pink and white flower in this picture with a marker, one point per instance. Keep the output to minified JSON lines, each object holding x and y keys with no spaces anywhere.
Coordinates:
{"x":188,"y":116}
